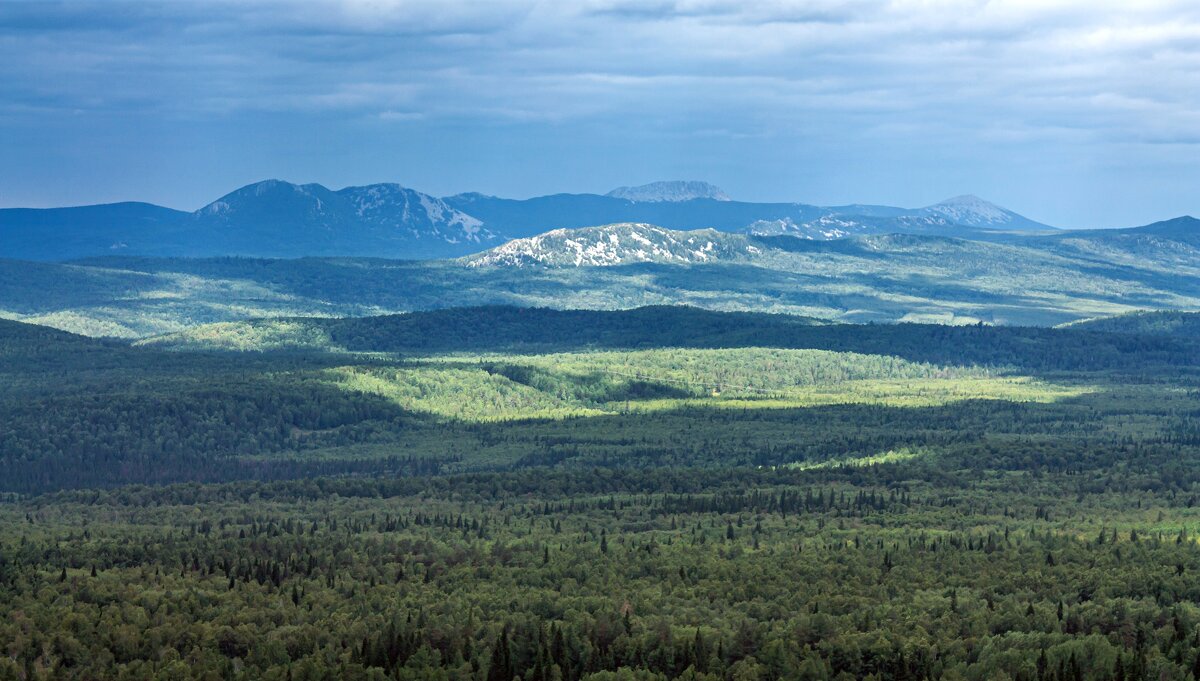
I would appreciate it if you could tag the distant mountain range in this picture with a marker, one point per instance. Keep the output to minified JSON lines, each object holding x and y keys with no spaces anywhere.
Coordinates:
{"x":135,"y":270}
{"x":279,"y":219}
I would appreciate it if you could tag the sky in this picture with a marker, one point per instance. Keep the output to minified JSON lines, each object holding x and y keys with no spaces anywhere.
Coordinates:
{"x":1077,"y":113}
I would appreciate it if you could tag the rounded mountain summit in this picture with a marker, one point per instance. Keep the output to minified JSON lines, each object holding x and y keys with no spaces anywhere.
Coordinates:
{"x":671,"y":190}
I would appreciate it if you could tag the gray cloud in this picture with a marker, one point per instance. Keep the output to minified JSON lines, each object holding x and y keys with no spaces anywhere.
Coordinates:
{"x":1004,"y":81}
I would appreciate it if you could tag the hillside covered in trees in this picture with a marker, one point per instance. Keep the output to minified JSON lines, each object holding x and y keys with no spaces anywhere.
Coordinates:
{"x":888,"y":277}
{"x":663,"y":493}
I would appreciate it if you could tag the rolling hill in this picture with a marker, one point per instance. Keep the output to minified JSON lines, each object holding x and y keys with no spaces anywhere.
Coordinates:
{"x":62,"y":233}
{"x":498,"y":327}
{"x":1157,"y":323}
{"x":1046,"y":280}
{"x":508,"y":329}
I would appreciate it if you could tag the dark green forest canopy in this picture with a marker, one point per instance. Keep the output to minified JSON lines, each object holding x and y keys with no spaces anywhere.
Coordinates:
{"x":81,"y":412}
{"x":1162,"y":322}
{"x":514,"y":329}
{"x":673,"y":573}
{"x":661,"y":493}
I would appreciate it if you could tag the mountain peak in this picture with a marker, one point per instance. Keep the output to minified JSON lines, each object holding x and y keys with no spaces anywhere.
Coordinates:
{"x":1181,"y":221}
{"x":971,"y":211}
{"x":967,"y":200}
{"x":377,"y":219}
{"x":671,"y":190}
{"x":971,"y":205}
{"x":271,"y":185}
{"x":268,"y":195}
{"x":963,"y":199}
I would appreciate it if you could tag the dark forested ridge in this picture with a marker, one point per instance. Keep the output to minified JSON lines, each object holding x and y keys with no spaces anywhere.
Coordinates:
{"x":1091,"y":346}
{"x":1159,"y":323}
{"x":666,"y":493}
{"x":544,"y":329}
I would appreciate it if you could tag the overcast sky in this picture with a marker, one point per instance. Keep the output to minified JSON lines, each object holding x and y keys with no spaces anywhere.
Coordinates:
{"x":1072,"y":112}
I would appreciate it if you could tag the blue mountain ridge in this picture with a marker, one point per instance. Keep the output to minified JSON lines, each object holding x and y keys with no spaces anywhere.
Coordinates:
{"x":274,"y":218}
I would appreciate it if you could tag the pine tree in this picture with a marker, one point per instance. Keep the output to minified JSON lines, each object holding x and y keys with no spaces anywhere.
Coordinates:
{"x":501,"y":666}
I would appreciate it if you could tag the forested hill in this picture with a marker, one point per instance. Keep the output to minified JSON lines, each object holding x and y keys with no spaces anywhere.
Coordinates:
{"x":887,"y":278}
{"x":42,"y":360}
{"x":494,"y":328}
{"x":467,"y":389}
{"x":27,"y":346}
{"x":514,"y":329}
{"x":1165,"y":323}
{"x":511,"y":328}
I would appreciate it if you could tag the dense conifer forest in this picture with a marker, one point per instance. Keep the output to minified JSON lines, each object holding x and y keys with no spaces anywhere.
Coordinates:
{"x":663,"y":493}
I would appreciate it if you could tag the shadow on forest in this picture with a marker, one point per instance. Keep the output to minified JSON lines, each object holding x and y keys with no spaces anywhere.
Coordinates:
{"x":1027,"y":350}
{"x":973,"y":434}
{"x":84,"y":413}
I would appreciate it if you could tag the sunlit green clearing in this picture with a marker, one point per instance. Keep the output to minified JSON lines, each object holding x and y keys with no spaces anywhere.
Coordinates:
{"x":890,"y":456}
{"x":465,"y":394}
{"x":896,"y":393}
{"x":497,"y":387}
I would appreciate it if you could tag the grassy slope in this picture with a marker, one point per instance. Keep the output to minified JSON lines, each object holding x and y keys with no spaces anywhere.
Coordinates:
{"x":494,"y":387}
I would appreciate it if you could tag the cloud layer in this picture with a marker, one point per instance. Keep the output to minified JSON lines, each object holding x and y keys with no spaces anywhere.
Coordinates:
{"x":1074,"y":112}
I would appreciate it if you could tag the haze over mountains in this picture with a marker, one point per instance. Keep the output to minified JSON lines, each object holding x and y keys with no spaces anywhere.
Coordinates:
{"x":1039,"y":280}
{"x":279,"y":219}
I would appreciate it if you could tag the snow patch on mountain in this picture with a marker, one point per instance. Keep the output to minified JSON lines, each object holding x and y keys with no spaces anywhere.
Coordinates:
{"x":823,"y":228}
{"x":618,"y":244}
